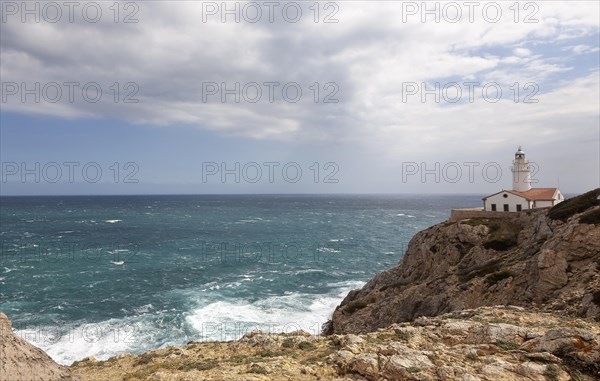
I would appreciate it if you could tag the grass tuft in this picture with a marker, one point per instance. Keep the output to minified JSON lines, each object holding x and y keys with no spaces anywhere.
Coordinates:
{"x":507,"y":345}
{"x":306,"y":346}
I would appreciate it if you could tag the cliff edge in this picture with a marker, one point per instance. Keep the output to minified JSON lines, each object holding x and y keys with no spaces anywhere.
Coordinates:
{"x":547,"y":258}
{"x":21,"y":361}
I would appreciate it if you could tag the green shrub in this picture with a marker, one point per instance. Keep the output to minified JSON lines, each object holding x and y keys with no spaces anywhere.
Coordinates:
{"x":503,"y":233}
{"x":578,"y":376}
{"x":145,"y":358}
{"x":574,"y":205}
{"x":306,"y":346}
{"x":257,"y":369}
{"x":501,"y":244}
{"x":507,"y":345}
{"x":288,"y":343}
{"x":551,"y":372}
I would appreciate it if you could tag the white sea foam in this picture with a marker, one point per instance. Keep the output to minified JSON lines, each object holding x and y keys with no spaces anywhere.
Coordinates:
{"x":220,"y":320}
{"x":112,"y":221}
{"x":72,"y":342}
{"x":229,"y":320}
{"x":328,"y":250}
{"x":144,"y":309}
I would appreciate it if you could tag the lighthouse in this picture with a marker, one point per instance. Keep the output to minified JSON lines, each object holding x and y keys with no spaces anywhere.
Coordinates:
{"x":521,"y":197}
{"x":521,"y":172}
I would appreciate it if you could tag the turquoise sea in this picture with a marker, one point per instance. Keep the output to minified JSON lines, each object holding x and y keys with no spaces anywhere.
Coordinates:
{"x":101,"y":275}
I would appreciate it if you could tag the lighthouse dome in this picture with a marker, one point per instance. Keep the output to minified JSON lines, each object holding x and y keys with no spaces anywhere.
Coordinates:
{"x":519,"y":154}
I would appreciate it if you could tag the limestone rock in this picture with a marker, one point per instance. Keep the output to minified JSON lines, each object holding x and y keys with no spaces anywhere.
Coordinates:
{"x":524,"y":260}
{"x":21,"y":361}
{"x":463,"y":345}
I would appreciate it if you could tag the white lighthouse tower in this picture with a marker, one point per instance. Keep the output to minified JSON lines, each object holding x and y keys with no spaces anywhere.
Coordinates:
{"x":521,"y":197}
{"x":521,"y":172}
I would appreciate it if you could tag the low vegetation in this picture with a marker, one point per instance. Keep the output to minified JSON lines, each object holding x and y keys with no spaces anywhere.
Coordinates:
{"x":574,"y":205}
{"x":506,"y":345}
{"x":257,"y":369}
{"x":591,"y":217}
{"x":551,"y":373}
{"x":306,"y":346}
{"x":503,"y":233}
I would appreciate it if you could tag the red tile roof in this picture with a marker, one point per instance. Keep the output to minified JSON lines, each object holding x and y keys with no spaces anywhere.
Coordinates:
{"x":536,"y":194}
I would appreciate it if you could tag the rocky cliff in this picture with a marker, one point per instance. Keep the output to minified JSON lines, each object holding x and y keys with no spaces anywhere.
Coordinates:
{"x":21,"y":361}
{"x":548,"y":258}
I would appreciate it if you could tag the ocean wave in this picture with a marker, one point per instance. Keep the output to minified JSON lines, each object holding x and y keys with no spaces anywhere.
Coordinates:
{"x":328,"y":250}
{"x":113,"y":221}
{"x":229,"y":320}
{"x":72,"y":342}
{"x":218,"y":320}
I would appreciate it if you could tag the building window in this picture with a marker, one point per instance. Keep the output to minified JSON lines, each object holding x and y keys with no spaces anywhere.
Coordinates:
{"x":518,"y":207}
{"x":505,"y":195}
{"x":506,"y":207}
{"x":493,"y":207}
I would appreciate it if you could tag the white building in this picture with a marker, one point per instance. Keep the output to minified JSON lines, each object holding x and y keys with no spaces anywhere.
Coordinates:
{"x":522,"y":196}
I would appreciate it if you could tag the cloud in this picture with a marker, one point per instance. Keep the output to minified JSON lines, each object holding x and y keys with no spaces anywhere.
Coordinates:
{"x":362,"y":61}
{"x":583,"y":49}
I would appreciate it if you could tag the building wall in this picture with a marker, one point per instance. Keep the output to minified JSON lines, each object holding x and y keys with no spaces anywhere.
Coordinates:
{"x":511,"y":199}
{"x":543,"y":203}
{"x":560,"y":197}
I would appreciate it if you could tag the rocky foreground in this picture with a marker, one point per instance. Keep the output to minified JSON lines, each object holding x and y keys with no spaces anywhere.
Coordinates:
{"x":488,"y":343}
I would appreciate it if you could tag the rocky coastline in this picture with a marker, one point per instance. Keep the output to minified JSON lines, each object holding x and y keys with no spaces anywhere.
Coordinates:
{"x":472,"y":300}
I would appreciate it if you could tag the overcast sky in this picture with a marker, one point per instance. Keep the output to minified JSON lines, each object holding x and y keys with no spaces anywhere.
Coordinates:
{"x":368,"y":114}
